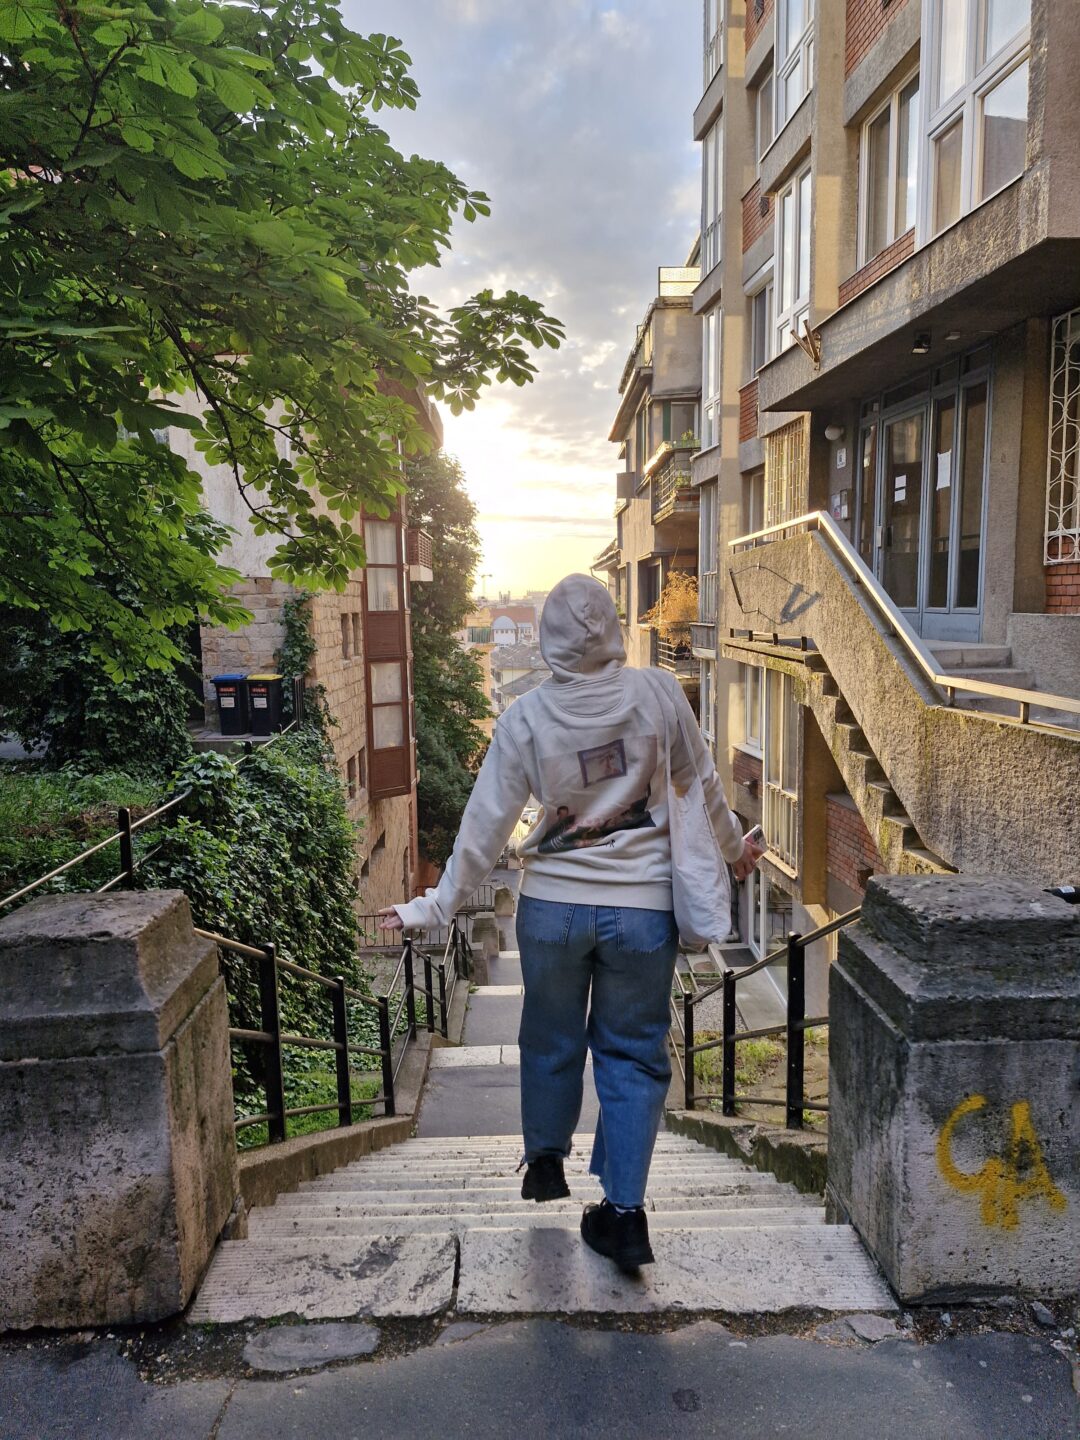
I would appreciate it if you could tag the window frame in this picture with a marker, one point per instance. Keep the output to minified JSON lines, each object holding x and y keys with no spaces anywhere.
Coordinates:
{"x":752,"y":745}
{"x":764,"y":106}
{"x":892,"y":105}
{"x":789,"y":51}
{"x":713,"y":39}
{"x":965,"y":106}
{"x":712,"y":364}
{"x":762,"y":284}
{"x":784,"y":320}
{"x":712,"y":188}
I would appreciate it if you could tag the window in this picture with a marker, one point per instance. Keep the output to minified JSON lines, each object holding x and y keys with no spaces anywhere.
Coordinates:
{"x":761,"y":327}
{"x":714,"y":37}
{"x":1063,"y":467}
{"x":361,"y":767}
{"x":711,"y":338}
{"x":382,"y":540}
{"x":708,"y":704}
{"x":889,"y":159}
{"x":754,"y":502}
{"x":707,"y":538}
{"x":712,"y":197}
{"x":388,"y":718}
{"x":781,"y":749}
{"x":976,"y":68}
{"x":787,"y":481}
{"x":752,"y":693}
{"x":792,"y":259}
{"x":346,"y":637}
{"x":763,"y":115}
{"x":358,"y":633}
{"x":794,"y":56}
{"x":649,"y":585}
{"x":350,"y":777}
{"x":622,"y":591}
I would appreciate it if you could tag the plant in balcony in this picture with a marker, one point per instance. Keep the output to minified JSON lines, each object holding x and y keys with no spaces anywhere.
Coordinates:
{"x":688,"y":441}
{"x":675,"y":610}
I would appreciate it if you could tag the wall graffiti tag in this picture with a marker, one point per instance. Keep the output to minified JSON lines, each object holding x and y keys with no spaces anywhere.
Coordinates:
{"x":1019,"y":1173}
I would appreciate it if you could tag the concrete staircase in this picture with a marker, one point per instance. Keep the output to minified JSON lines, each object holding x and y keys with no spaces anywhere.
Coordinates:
{"x":437,"y":1224}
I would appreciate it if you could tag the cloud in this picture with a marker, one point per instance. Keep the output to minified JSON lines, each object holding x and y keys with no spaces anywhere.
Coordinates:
{"x":574,"y":116}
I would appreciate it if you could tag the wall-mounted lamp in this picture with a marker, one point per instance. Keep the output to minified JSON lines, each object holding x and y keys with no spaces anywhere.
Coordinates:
{"x":952,"y":336}
{"x":834,"y":432}
{"x":922,"y":342}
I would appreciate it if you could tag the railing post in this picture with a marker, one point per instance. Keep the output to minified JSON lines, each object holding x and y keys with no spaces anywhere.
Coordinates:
{"x":270,"y":1007}
{"x":389,"y":1107}
{"x":727,"y":1049}
{"x":429,"y":992}
{"x":341,"y":1040}
{"x":796,"y":1035}
{"x":688,"y":1051}
{"x":410,"y":991}
{"x":444,"y":1027}
{"x":127,"y":850}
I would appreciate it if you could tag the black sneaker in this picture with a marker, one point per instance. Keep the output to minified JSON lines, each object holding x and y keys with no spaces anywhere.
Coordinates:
{"x":544,"y":1180}
{"x":623,"y":1238}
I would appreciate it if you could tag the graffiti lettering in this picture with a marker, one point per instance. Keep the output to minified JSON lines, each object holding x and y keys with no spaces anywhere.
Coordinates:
{"x":1019,"y":1174}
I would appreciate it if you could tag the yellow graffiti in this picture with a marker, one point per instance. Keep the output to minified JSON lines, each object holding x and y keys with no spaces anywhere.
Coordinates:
{"x":1019,"y":1174}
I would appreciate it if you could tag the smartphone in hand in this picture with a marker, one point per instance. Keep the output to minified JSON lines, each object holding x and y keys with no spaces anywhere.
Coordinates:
{"x":756,"y":837}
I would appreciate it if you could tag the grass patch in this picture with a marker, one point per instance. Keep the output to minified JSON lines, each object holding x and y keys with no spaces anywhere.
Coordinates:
{"x":319,"y":1088}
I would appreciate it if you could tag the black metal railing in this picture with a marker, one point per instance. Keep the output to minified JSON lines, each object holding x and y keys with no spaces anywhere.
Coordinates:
{"x":126,"y":828}
{"x":686,"y":997}
{"x":672,"y":487}
{"x":441,"y":965}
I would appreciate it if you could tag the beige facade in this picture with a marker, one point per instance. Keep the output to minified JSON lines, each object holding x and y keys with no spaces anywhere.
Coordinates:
{"x":890,"y":311}
{"x":656,"y":513}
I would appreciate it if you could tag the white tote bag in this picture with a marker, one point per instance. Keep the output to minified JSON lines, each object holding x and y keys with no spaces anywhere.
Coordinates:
{"x":700,"y":880}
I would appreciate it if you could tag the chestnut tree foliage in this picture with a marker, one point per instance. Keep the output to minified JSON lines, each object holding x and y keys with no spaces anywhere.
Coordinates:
{"x":203,"y":226}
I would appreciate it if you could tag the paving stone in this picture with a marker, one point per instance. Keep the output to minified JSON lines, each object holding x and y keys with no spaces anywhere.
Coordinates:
{"x":307,"y":1347}
{"x":459,"y":1330}
{"x":334,"y":1279}
{"x":741,"y":1271}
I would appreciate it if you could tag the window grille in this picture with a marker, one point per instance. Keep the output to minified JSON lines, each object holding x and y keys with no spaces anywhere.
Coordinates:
{"x":786,"y":478}
{"x":1063,"y":461}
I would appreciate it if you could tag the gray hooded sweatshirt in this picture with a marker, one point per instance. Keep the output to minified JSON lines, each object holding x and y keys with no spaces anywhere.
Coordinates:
{"x":597,"y":744}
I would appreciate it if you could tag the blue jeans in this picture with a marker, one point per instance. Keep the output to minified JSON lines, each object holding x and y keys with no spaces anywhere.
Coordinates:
{"x":626,"y":958}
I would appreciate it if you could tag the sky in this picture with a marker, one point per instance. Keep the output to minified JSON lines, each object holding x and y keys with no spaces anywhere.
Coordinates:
{"x":575,"y":117}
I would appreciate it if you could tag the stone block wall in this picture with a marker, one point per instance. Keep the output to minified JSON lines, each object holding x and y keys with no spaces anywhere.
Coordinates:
{"x":251,"y":649}
{"x":866,"y":21}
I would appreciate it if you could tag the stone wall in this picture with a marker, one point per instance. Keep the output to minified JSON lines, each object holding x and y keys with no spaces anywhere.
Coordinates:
{"x":251,"y":649}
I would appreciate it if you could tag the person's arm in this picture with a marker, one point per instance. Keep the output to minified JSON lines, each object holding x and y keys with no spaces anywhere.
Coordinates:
{"x":697,"y":760}
{"x":499,"y":795}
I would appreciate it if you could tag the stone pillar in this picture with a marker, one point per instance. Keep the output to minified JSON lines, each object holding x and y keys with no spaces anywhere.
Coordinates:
{"x":503,"y":910}
{"x":954,"y":1052}
{"x":485,"y":943}
{"x":117,"y":1154}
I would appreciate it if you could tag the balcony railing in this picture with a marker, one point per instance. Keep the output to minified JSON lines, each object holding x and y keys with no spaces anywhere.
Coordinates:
{"x":672,"y":490}
{"x":674,"y":281}
{"x":676,"y":657}
{"x":780,"y":819}
{"x":707,"y":592}
{"x":703,"y":637}
{"x":418,"y":549}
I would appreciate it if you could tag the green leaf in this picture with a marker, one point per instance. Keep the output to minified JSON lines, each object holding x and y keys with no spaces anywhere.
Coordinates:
{"x":21,"y":19}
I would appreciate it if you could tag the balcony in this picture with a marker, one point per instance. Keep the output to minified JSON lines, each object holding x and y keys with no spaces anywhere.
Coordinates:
{"x":673,"y":493}
{"x":703,"y":630}
{"x":677,"y":657}
{"x":677,"y":281}
{"x":420,"y":556}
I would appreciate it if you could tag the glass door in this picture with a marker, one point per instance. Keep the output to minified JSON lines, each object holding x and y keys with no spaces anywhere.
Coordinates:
{"x":900,"y":507}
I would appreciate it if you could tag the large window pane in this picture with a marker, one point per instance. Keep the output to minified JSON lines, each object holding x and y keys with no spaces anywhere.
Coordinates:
{"x":952,"y":48}
{"x":878,"y":145}
{"x":907,"y":158}
{"x":941,"y":481}
{"x":803,"y":278}
{"x":765,"y":115}
{"x":385,"y":681}
{"x":948,"y":154}
{"x":787,"y":250}
{"x":388,"y":722}
{"x":867,"y":493}
{"x":381,"y":542}
{"x":382,"y":588}
{"x":791,"y":737}
{"x":971,"y":496}
{"x":903,"y":508}
{"x":1004,"y":19}
{"x":1005,"y":130}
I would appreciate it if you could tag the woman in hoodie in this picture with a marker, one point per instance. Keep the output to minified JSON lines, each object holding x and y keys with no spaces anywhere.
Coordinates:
{"x":595,"y":926}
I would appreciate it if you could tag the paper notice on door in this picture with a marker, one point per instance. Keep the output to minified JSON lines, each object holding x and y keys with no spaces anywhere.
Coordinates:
{"x":899,"y":489}
{"x":944,"y":470}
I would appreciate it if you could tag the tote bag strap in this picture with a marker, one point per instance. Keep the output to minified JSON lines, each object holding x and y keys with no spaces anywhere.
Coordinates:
{"x":667,"y":706}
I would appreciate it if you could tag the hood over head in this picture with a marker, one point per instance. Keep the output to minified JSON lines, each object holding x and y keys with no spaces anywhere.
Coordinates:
{"x":579,"y":630}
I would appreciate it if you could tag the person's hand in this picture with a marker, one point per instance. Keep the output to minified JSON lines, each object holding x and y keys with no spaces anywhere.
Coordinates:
{"x":746,"y":864}
{"x":389,"y":919}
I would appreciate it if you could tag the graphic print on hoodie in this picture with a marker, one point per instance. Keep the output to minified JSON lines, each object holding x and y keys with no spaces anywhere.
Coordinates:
{"x":601,"y":791}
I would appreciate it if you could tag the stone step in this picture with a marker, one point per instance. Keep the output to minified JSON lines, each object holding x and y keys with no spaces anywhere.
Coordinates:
{"x":389,"y":1162}
{"x":742,"y":1271}
{"x":951,"y":654}
{"x":328,"y":1279}
{"x":462,"y":1175}
{"x":511,"y":1145}
{"x":525,"y":1217}
{"x":356,"y":1202}
{"x":490,"y":1195}
{"x":350,"y":1179}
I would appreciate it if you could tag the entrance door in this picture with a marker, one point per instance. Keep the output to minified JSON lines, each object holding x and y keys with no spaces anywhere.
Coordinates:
{"x":922,"y":497}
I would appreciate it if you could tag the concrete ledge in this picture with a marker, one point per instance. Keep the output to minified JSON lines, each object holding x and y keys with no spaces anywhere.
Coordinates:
{"x":267,"y":1172}
{"x":796,"y":1157}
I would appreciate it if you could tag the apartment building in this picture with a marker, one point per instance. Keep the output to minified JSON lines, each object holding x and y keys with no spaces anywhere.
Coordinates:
{"x":656,"y":429}
{"x":362,"y":661}
{"x":890,"y":315}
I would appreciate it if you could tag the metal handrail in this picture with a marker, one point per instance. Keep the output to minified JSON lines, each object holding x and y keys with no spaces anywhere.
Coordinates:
{"x":863,"y":576}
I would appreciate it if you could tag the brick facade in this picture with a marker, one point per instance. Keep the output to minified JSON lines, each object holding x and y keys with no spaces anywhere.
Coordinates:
{"x":748,"y":411}
{"x":893,"y":255}
{"x":754,"y":223}
{"x":866,"y":20}
{"x":756,"y":19}
{"x":1063,"y":589}
{"x":848,"y":845}
{"x":746,"y":770}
